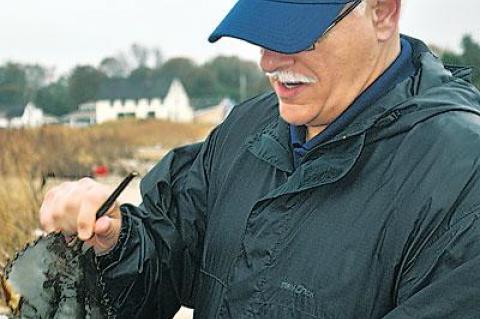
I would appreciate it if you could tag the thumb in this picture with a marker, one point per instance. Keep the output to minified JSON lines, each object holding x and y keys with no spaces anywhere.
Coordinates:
{"x":103,"y":226}
{"x":107,"y":231}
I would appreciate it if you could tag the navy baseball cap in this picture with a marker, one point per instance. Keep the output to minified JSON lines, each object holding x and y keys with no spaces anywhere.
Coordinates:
{"x":286,"y":26}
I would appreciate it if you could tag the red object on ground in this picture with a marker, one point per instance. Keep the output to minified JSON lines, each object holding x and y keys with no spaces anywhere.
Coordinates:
{"x":101,"y":170}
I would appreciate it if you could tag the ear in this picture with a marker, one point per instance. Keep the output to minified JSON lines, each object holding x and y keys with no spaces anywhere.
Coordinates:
{"x":386,"y":14}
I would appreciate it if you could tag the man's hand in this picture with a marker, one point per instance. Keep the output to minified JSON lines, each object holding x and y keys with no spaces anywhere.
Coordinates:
{"x":71,"y":208}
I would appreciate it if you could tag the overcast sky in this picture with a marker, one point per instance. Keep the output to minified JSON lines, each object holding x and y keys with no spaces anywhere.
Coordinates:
{"x":63,"y":33}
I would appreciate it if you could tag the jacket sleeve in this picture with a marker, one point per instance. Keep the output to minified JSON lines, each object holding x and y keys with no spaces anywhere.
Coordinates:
{"x":442,"y":281}
{"x":154,"y":267}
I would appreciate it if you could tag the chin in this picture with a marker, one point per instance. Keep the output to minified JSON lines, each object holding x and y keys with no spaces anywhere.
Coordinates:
{"x":293,"y":114}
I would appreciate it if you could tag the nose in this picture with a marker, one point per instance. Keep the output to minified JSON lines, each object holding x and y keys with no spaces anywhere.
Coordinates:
{"x":271,"y":61}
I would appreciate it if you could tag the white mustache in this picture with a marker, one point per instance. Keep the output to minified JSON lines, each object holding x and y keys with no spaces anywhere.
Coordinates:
{"x":290,"y":77}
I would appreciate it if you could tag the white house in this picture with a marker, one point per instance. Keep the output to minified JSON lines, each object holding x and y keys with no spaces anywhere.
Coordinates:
{"x":85,"y":116}
{"x":174,"y":107}
{"x":4,"y":123}
{"x":32,"y":117}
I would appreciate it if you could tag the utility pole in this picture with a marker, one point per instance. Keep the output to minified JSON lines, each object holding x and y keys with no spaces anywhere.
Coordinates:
{"x":242,"y":87}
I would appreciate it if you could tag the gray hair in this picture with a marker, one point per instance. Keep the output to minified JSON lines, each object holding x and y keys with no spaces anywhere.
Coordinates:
{"x":361,"y":8}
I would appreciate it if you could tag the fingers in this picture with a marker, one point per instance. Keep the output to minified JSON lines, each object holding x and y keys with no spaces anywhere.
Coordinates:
{"x":46,"y":219}
{"x":54,"y":208}
{"x":64,"y":208}
{"x":106,"y":234}
{"x":103,"y":227}
{"x":87,"y":214}
{"x":100,"y":228}
{"x":71,"y":208}
{"x":107,"y":228}
{"x":86,"y":219}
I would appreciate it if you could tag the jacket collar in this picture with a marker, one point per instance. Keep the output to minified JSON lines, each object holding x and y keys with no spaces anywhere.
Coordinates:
{"x":333,"y":159}
{"x":272,"y":144}
{"x":328,"y":165}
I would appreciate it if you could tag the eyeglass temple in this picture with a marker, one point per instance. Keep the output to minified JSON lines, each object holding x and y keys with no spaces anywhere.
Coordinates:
{"x":342,"y":15}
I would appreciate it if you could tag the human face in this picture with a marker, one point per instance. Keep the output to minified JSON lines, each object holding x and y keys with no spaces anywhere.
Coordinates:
{"x":340,"y":67}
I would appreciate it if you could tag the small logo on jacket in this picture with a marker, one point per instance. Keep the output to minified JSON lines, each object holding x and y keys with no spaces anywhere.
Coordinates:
{"x":296,"y":289}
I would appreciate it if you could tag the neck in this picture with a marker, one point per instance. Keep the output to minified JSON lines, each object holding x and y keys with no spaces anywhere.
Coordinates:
{"x":387,"y":53}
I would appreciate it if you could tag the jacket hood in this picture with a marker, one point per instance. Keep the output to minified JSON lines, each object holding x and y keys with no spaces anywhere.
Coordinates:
{"x":434,"y":89}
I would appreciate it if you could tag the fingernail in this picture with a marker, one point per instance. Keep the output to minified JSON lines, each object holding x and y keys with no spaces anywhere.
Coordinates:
{"x":84,"y":235}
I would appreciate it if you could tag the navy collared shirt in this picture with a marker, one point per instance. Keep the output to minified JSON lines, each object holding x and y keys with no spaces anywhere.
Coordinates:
{"x":398,"y":71}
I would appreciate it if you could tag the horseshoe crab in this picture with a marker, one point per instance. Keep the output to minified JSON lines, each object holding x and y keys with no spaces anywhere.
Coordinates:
{"x":51,"y":279}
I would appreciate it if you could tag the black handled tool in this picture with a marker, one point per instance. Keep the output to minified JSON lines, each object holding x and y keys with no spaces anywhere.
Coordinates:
{"x":113,"y":197}
{"x":77,"y":244}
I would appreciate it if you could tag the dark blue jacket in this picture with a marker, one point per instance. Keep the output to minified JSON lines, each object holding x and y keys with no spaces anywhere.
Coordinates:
{"x":381,"y":221}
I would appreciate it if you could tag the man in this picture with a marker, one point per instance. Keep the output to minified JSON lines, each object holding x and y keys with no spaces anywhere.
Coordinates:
{"x":351,"y":192}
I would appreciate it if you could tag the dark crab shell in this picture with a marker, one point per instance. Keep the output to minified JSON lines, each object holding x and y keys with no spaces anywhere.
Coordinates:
{"x":50,"y":279}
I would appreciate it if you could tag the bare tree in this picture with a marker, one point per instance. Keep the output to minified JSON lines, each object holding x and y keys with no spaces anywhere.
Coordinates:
{"x":157,"y":58}
{"x":140,"y":54}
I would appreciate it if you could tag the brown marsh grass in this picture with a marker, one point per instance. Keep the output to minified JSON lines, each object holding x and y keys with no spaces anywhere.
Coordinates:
{"x":28,"y":154}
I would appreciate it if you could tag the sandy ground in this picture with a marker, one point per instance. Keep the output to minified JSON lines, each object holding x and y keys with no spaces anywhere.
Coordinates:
{"x":132,"y":195}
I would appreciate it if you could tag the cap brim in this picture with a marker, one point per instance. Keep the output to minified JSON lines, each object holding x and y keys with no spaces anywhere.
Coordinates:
{"x":284,"y":27}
